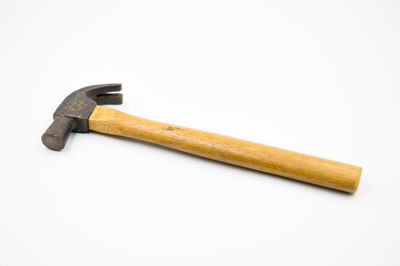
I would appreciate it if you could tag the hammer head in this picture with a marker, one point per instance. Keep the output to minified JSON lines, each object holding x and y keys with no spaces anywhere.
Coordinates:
{"x":73,"y":113}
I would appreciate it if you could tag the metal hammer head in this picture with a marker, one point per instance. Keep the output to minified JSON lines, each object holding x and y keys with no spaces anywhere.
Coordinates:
{"x":73,"y":113}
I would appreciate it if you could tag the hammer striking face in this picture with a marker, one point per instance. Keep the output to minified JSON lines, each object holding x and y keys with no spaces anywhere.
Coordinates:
{"x":73,"y":113}
{"x":80,"y":112}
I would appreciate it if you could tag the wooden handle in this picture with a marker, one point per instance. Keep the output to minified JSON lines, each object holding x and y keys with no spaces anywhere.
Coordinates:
{"x":248,"y":154}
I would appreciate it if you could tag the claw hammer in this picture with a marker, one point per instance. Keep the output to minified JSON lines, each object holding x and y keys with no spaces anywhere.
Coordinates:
{"x":81,"y":111}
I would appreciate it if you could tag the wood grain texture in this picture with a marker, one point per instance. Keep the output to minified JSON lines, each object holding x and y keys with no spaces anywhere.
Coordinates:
{"x":306,"y":168}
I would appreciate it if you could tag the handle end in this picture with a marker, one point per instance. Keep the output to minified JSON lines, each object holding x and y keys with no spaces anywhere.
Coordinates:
{"x":356,"y":182}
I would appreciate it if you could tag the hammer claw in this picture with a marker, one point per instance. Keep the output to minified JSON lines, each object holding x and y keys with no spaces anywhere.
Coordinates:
{"x":100,"y":93}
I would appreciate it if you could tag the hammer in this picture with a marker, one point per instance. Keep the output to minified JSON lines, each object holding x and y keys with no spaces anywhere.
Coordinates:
{"x":81,"y":111}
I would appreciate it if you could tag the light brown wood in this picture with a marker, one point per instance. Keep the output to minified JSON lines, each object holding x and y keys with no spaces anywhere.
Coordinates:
{"x":230,"y":150}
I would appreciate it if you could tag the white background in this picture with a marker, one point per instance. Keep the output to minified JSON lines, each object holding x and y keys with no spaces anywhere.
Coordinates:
{"x":318,"y":77}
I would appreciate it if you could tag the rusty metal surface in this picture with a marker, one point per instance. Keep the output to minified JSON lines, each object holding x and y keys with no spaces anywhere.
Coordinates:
{"x":73,"y":113}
